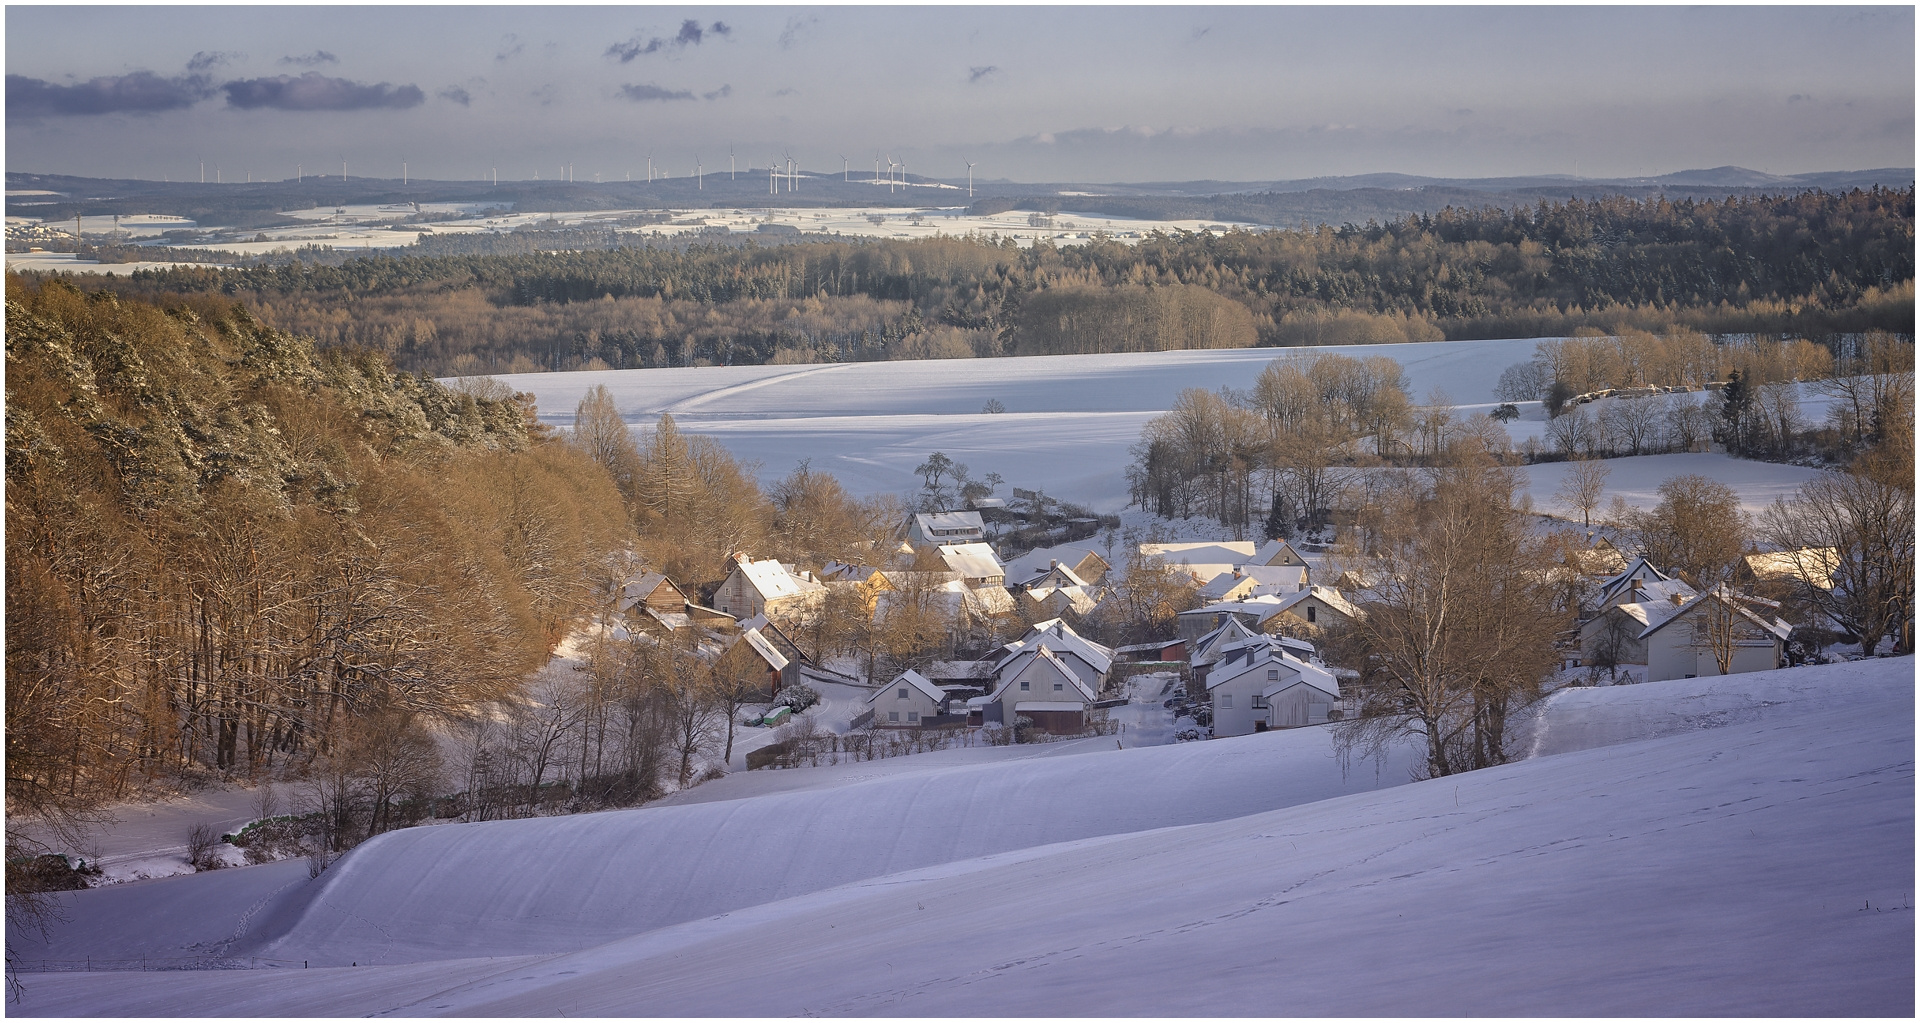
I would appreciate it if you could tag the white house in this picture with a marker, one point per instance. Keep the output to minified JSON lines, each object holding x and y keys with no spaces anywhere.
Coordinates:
{"x":928,"y":529}
{"x":906,"y":702}
{"x":1259,"y":685}
{"x":975,"y":563}
{"x":1677,"y":636}
{"x":1032,"y":567}
{"x":766,"y":587}
{"x":1206,"y":560}
{"x":1255,"y":580}
{"x":1089,"y":661}
{"x":1043,"y":687}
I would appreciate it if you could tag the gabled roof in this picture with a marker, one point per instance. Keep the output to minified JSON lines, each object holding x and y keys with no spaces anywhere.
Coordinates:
{"x":933,"y":525}
{"x":1819,"y":564}
{"x":774,"y":658}
{"x":1059,"y":635}
{"x":773,"y":580}
{"x":1277,"y":552}
{"x":972,"y":560}
{"x":1061,"y":597}
{"x":1638,"y":568}
{"x":1326,"y":595}
{"x":1044,"y":663}
{"x":1212,"y":552}
{"x":637,"y":590}
{"x":1029,"y":566}
{"x":1264,"y":578}
{"x":1207,"y":648}
{"x":1264,"y":654}
{"x":916,"y":680}
{"x":1655,"y":615}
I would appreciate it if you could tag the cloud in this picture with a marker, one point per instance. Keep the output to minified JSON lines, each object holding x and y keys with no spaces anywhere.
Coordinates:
{"x":721,"y":93}
{"x":455,"y":94}
{"x":796,"y":27}
{"x":207,"y":60}
{"x":975,"y":74}
{"x":645,"y":93}
{"x":314,"y":59}
{"x":690,"y":34}
{"x":315,"y":91}
{"x":510,"y":47}
{"x":139,"y":92}
{"x":786,"y":92}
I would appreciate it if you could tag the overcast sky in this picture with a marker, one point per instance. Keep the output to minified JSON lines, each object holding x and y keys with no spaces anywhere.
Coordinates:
{"x":1029,"y":94}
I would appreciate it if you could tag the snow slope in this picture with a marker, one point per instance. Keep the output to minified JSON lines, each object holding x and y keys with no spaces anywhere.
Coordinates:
{"x":1068,"y":424}
{"x":1756,"y":860}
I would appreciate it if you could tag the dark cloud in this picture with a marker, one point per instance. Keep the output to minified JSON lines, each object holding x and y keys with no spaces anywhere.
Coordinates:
{"x":207,"y":60}
{"x":314,"y":59}
{"x":510,"y":47}
{"x":691,"y":34}
{"x":644,"y":93}
{"x":139,"y":92}
{"x":315,"y":91}
{"x":975,"y":74}
{"x":796,"y":27}
{"x":721,"y":93}
{"x":455,"y":94}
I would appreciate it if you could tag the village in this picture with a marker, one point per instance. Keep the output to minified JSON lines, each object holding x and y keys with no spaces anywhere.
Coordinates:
{"x":1004,"y":647}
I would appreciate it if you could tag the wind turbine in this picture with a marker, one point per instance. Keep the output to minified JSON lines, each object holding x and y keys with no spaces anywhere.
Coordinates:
{"x":699,"y":175}
{"x":876,"y":168}
{"x":846,"y":168}
{"x":969,"y":179}
{"x":729,"y":163}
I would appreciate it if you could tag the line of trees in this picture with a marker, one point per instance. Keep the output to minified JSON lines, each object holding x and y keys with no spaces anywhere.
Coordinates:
{"x":1813,"y":264}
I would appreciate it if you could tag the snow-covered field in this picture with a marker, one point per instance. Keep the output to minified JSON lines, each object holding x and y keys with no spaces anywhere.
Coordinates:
{"x":1737,"y":845}
{"x":1069,"y":419}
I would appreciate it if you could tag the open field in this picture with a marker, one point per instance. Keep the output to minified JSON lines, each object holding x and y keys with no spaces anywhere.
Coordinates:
{"x":1069,"y":419}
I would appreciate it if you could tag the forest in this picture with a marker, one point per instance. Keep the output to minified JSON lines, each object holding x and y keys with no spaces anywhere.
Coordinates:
{"x":1813,"y":265}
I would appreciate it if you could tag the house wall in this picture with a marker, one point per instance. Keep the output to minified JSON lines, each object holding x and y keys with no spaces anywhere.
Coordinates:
{"x":1233,"y":710}
{"x":1042,"y":680}
{"x":738,"y":598}
{"x":1299,"y":705}
{"x":1671,"y":653}
{"x":890,"y":710}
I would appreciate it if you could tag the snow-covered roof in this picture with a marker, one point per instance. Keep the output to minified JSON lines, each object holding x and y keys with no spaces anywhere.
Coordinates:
{"x":1655,"y":615}
{"x":912,"y":678}
{"x":1267,"y":654}
{"x":841,"y":571}
{"x":1212,"y":552}
{"x":1264,"y":578}
{"x":1062,"y":598}
{"x":1277,"y":552}
{"x":1029,"y":567}
{"x":1210,"y":646}
{"x":962,"y":524}
{"x":1061,"y":637}
{"x":1326,"y":595}
{"x":774,"y":658}
{"x":637,"y":590}
{"x":773,"y":580}
{"x":1047,"y":663}
{"x":1308,"y":675}
{"x":972,"y":560}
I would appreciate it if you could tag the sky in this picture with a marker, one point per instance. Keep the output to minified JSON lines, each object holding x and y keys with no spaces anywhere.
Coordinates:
{"x":1088,"y":93}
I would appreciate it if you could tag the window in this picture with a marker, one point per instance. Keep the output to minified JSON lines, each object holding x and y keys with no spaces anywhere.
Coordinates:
{"x":903,"y":692}
{"x":1258,"y":702}
{"x":1025,"y":685}
{"x":913,"y":715}
{"x":1310,"y":614}
{"x":1273,"y":674}
{"x":893,"y":715}
{"x":1059,"y":687}
{"x":1226,"y":701}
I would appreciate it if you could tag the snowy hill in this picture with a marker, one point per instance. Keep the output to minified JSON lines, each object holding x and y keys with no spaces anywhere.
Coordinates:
{"x":1705,"y":846}
{"x":1069,"y":419}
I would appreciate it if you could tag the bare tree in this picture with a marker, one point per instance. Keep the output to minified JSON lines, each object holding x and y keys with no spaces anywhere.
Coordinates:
{"x":1585,"y":484}
{"x":1851,"y":541}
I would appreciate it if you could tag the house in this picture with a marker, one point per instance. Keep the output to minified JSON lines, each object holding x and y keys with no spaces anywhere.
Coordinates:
{"x":971,"y":610}
{"x":751,"y":655}
{"x":1089,"y":661}
{"x":1259,"y":685}
{"x":1213,"y":647}
{"x":1684,"y":635}
{"x":1055,"y":601}
{"x":1311,"y":611}
{"x":766,"y":587}
{"x":1637,"y":575}
{"x":1206,"y":560}
{"x":780,"y":641}
{"x":906,"y":702}
{"x":1043,"y":687}
{"x":1255,"y":580}
{"x":653,"y":590}
{"x":1083,"y":561}
{"x":975,"y":563}
{"x":929,"y":529}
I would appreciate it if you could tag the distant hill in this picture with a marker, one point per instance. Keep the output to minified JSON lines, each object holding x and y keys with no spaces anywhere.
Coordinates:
{"x":1285,"y":203}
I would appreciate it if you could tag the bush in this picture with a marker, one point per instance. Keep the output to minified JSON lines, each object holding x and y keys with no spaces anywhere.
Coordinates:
{"x":203,"y":843}
{"x":799,"y":696}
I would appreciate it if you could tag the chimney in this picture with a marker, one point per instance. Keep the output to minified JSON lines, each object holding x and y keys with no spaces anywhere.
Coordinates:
{"x":1055,"y":563}
{"x":1679,"y":599}
{"x":1236,"y":571}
